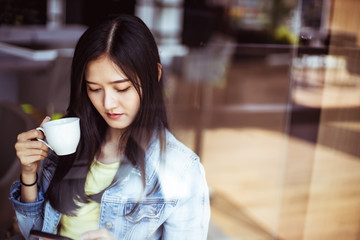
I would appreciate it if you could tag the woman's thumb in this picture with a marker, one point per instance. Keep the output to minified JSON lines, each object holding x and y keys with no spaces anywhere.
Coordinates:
{"x":46,"y":119}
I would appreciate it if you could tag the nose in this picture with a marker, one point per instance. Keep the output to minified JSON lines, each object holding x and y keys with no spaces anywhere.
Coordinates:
{"x":109,"y":101}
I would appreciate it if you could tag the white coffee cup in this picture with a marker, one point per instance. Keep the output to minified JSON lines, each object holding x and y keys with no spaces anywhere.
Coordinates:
{"x":62,"y":135}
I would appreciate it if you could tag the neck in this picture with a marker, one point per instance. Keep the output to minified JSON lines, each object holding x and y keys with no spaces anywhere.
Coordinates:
{"x":111,"y":150}
{"x":113,"y":135}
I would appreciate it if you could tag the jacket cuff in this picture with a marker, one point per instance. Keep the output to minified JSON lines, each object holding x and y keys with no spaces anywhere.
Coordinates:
{"x":26,"y":209}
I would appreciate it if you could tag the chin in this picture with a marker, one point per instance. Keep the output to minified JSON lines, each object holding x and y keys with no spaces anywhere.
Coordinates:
{"x":117,"y":126}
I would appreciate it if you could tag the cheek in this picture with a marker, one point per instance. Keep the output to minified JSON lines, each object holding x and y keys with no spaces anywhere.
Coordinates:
{"x":132,"y":101}
{"x":136,"y":104}
{"x":94,"y":100}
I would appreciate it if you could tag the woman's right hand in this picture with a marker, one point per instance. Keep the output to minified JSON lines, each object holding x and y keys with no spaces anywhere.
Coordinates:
{"x":30,"y":151}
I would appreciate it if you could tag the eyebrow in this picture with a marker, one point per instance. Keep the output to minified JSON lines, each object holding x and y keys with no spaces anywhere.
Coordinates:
{"x":113,"y":82}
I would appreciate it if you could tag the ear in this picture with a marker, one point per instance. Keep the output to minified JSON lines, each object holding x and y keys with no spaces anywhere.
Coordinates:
{"x":159,"y":71}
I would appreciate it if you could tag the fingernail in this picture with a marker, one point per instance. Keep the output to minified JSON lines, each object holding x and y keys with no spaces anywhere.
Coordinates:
{"x":47,"y":117}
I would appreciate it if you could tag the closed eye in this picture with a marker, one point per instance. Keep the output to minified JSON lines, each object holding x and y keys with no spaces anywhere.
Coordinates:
{"x":123,"y":90}
{"x":94,"y":90}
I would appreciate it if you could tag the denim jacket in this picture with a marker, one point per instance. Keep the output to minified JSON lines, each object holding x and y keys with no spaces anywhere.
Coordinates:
{"x":179,"y":209}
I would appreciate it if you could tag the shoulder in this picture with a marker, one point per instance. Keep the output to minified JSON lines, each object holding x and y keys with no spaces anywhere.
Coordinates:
{"x":178,"y":168}
{"x":177,"y":151}
{"x":174,"y":155}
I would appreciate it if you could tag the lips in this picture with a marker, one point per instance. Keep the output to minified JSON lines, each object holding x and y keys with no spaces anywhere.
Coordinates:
{"x":113,"y":115}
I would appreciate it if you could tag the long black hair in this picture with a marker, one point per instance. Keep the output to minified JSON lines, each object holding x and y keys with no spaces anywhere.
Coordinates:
{"x":128,"y":42}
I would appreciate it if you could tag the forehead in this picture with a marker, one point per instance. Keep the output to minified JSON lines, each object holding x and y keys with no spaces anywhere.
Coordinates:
{"x":103,"y":68}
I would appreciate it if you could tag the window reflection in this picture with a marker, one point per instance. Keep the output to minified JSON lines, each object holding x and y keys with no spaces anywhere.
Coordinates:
{"x":266,"y":92}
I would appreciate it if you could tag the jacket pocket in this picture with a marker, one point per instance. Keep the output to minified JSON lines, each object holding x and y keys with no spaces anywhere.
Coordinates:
{"x":143,"y":211}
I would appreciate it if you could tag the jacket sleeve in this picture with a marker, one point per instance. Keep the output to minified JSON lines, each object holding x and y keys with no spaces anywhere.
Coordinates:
{"x":190,"y":218}
{"x":29,"y":215}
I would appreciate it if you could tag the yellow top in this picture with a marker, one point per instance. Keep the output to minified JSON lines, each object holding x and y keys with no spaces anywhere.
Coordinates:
{"x":87,"y":217}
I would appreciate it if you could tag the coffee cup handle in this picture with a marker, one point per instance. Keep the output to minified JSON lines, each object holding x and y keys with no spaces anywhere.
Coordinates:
{"x":40,"y":140}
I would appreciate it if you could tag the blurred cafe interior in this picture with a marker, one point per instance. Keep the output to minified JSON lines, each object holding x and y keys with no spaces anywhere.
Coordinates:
{"x":266,"y":92}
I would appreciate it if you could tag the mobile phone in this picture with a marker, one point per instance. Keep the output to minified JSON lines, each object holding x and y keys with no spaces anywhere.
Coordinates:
{"x":47,"y":236}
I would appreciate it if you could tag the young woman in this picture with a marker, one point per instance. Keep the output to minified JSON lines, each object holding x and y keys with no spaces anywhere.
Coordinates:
{"x":129,"y":178}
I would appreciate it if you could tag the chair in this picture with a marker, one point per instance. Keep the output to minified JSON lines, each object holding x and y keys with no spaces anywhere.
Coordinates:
{"x":12,"y":122}
{"x":48,"y":90}
{"x":205,"y":68}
